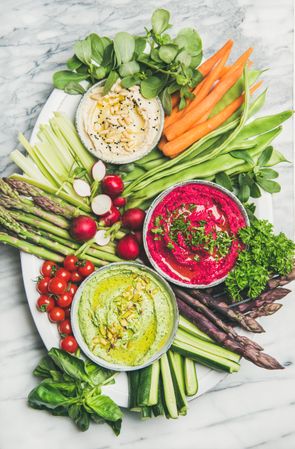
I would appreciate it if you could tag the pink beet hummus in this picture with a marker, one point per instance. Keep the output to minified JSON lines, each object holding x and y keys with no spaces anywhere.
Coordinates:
{"x":192,"y":234}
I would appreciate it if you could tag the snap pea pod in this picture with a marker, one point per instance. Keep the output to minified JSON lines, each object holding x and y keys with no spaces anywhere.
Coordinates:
{"x":215,"y":151}
{"x":207,"y":170}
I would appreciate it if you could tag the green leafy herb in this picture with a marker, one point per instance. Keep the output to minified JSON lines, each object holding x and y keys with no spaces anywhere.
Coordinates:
{"x":265,"y":254}
{"x":72,"y":387}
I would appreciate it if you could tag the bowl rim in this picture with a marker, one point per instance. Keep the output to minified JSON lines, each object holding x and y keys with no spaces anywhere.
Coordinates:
{"x":133,"y":156}
{"x":149,"y":214}
{"x":78,"y":335}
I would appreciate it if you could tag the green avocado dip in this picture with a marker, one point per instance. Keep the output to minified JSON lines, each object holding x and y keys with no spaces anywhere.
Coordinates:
{"x":125,"y":314}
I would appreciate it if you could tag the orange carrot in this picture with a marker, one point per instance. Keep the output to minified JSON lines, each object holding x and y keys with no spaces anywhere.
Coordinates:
{"x":178,"y":145}
{"x":210,"y":63}
{"x":225,"y":70}
{"x":241,"y":61}
{"x":191,"y":117}
{"x":176,"y":114}
{"x":213,"y":76}
{"x":162,"y":142}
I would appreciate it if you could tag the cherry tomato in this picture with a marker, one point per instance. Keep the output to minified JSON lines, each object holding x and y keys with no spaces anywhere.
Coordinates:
{"x":67,"y":313}
{"x":70,"y":262}
{"x":65,"y":327}
{"x":45,"y":303}
{"x":57,"y":286}
{"x":63,"y":274}
{"x":76,"y":277}
{"x":48,"y":268}
{"x":86,"y":268}
{"x":56,"y":314}
{"x":72,"y":288}
{"x":64,"y":300}
{"x":42,"y":285}
{"x":69,"y":344}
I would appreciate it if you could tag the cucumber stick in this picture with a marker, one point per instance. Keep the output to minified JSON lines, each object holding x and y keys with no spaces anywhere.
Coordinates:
{"x":192,"y":329}
{"x":190,"y":377}
{"x":178,"y":358}
{"x":168,"y":388}
{"x":148,"y":386}
{"x":133,"y":380}
{"x":178,"y":384}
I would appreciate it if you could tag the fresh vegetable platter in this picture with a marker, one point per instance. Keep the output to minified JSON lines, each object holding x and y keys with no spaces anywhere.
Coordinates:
{"x":97,"y":194}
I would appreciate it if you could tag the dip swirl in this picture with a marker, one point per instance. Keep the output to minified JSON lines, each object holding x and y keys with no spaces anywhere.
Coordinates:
{"x":120,"y":126}
{"x":125,"y":315}
{"x":192,"y":234}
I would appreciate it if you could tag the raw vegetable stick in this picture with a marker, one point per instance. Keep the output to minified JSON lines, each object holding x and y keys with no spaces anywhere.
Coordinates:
{"x":265,"y":298}
{"x":188,"y":120}
{"x":258,"y":358}
{"x":266,"y":310}
{"x":197,"y":305}
{"x":176,"y":146}
{"x":282,"y":280}
{"x":210,"y":62}
{"x":225,"y":70}
{"x":30,"y":248}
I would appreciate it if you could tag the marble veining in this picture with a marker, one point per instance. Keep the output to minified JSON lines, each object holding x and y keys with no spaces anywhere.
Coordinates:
{"x":251,"y":409}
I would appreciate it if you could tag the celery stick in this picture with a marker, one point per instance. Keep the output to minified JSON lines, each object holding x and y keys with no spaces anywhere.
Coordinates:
{"x":27,"y":165}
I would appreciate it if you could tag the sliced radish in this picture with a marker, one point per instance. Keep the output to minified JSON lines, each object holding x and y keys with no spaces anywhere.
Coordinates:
{"x":101,"y":238}
{"x":101,"y":204}
{"x":81,"y":187}
{"x":98,"y":171}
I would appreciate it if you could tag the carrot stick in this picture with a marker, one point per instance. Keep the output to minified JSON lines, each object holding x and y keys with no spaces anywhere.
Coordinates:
{"x":224,"y":70}
{"x":178,"y":145}
{"x":162,"y":142}
{"x":191,"y":117}
{"x":176,"y":114}
{"x":240,"y":61}
{"x":213,"y":76}
{"x":210,"y":62}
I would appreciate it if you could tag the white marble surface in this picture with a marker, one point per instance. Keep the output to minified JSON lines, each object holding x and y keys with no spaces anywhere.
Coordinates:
{"x":251,"y":409}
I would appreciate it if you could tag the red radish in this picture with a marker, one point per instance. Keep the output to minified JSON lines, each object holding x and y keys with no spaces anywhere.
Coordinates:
{"x":83,"y":228}
{"x":120,"y":201}
{"x":81,"y":187}
{"x":111,"y":217}
{"x":98,"y":171}
{"x":133,"y":219}
{"x":128,"y":248}
{"x":112,"y":185}
{"x":101,"y":204}
{"x":138,"y":236}
{"x":101,"y":238}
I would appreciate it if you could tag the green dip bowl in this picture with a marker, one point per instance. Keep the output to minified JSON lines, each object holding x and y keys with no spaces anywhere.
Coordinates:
{"x":124,"y":316}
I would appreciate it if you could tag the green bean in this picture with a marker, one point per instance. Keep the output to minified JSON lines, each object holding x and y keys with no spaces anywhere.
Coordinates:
{"x":235,"y":91}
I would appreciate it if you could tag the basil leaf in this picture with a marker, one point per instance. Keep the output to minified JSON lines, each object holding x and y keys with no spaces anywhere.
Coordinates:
{"x":98,"y":72}
{"x":74,"y":63}
{"x":269,"y":186}
{"x":46,"y":396}
{"x":80,"y":417}
{"x":83,"y":50}
{"x":160,"y":20}
{"x":104,"y":407}
{"x":165,"y":98}
{"x":74,"y":88}
{"x":124,"y":46}
{"x":63,"y":77}
{"x":71,"y":365}
{"x":129,"y":68}
{"x":255,"y":191}
{"x":45,"y":367}
{"x":109,"y":56}
{"x":265,"y":157}
{"x":224,"y":180}
{"x":167,"y":53}
{"x":110,"y":81}
{"x":268,"y":173}
{"x":238,"y":154}
{"x":97,"y":374}
{"x":152,"y":86}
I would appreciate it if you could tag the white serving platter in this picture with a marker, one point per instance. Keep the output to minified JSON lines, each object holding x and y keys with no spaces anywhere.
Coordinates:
{"x":208,"y":378}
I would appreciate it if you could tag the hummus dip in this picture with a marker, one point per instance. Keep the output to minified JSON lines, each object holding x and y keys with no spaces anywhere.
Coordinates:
{"x":121,"y":126}
{"x":192,"y":234}
{"x":125,"y":315}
